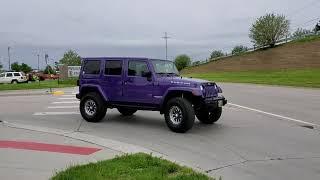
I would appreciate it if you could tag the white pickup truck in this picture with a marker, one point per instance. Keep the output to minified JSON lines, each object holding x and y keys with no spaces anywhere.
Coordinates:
{"x":13,"y":77}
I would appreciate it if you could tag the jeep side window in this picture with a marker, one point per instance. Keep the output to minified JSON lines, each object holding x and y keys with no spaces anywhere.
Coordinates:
{"x":113,"y":68}
{"x":137,"y":68}
{"x":2,"y":75}
{"x":16,"y":74}
{"x":9,"y":75}
{"x":91,"y":67}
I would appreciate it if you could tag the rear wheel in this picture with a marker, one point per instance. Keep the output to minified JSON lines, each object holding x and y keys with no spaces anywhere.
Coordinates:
{"x":207,"y":117}
{"x":126,"y":111}
{"x":92,"y":107}
{"x":179,"y":115}
{"x":14,"y":82}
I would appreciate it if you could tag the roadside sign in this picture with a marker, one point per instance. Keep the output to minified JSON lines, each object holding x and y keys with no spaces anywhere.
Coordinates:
{"x":73,"y":71}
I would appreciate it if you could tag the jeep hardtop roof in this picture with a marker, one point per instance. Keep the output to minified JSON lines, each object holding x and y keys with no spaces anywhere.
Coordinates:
{"x":121,"y":58}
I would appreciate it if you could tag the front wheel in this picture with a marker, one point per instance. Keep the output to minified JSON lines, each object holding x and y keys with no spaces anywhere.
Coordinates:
{"x":126,"y":111}
{"x":207,"y":117}
{"x":92,"y":107}
{"x":179,"y":115}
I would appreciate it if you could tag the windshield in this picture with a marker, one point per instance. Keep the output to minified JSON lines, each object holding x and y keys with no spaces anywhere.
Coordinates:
{"x":164,"y":67}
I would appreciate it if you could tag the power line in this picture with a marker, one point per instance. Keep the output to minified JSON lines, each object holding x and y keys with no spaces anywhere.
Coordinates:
{"x":9,"y":58}
{"x":166,"y":37}
{"x":38,"y":62}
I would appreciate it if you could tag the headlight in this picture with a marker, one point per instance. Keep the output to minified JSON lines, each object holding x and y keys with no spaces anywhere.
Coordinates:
{"x":201,"y":87}
{"x":219,"y":89}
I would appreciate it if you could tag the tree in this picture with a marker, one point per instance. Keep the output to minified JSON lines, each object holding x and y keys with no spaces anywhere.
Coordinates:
{"x":182,"y":61}
{"x":239,"y":50}
{"x":317,"y":28}
{"x":300,"y":33}
{"x":25,"y":68}
{"x":15,"y":67}
{"x":49,"y":70}
{"x":216,"y":54}
{"x":71,"y":58}
{"x":1,"y":66}
{"x":269,"y":29}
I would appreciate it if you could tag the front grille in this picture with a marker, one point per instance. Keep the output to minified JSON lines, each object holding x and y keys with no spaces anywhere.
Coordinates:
{"x":210,"y":90}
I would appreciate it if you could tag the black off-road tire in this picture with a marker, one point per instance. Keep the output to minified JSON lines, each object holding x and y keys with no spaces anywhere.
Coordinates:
{"x":126,"y":111}
{"x":188,"y":115}
{"x":14,"y":82}
{"x":100,"y":107}
{"x":207,"y":117}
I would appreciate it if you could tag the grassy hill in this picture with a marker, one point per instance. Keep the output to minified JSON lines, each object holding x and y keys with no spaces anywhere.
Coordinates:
{"x":292,"y":64}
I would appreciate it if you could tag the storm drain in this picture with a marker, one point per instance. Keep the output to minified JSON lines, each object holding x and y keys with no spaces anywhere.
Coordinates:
{"x":307,"y":126}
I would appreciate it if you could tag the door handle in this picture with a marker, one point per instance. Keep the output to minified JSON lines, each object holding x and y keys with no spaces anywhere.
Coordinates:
{"x":128,"y":81}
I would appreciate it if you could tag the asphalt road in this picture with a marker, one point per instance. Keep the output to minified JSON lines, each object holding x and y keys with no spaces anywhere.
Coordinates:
{"x":259,"y":136}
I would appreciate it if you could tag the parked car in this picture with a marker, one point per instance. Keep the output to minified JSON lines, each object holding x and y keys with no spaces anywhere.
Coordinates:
{"x":131,"y":84}
{"x":13,"y":77}
{"x":43,"y":77}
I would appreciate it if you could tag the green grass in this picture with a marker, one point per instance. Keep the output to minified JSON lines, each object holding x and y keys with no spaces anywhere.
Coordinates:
{"x":41,"y":85}
{"x":135,"y":166}
{"x":298,"y":78}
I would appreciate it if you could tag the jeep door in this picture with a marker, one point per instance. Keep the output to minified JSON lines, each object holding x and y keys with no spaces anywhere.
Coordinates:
{"x":91,"y":72}
{"x":138,"y":83}
{"x":112,"y":80}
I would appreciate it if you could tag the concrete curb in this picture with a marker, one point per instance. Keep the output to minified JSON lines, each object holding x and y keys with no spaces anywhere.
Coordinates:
{"x":103,"y":142}
{"x":34,"y":92}
{"x":107,"y":143}
{"x":24,"y":94}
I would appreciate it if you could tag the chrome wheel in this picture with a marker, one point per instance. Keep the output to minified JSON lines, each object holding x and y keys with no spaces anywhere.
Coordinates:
{"x":175,"y":114}
{"x":90,"y":107}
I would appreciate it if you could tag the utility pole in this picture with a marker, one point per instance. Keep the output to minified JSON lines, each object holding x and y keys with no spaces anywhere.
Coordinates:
{"x":38,"y":62}
{"x":166,"y":39}
{"x":9,"y":58}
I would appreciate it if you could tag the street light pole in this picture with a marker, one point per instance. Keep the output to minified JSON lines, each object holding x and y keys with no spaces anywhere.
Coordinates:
{"x":38,"y":62}
{"x":166,"y":39}
{"x":9,"y":58}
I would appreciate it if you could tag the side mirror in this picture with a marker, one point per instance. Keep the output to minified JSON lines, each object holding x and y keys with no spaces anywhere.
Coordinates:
{"x":148,"y":75}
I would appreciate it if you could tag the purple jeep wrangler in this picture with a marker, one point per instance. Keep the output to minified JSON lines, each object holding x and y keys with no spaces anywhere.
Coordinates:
{"x":131,"y":84}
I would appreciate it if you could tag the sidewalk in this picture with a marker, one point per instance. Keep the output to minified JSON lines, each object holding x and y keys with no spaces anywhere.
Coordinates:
{"x":26,"y":154}
{"x":30,"y":92}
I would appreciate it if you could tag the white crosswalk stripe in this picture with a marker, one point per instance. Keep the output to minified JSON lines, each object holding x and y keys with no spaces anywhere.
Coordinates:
{"x":66,"y":102}
{"x":54,"y":113}
{"x":62,"y":107}
{"x":67,"y":98}
{"x":68,"y":95}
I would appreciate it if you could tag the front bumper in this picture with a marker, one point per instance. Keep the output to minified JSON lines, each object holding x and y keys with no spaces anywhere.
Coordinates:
{"x":214,"y":102}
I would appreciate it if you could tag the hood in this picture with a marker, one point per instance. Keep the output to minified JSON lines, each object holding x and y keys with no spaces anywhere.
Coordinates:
{"x":183,"y":80}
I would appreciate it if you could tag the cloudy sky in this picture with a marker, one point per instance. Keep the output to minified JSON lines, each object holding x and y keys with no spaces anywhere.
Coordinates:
{"x":135,"y":27}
